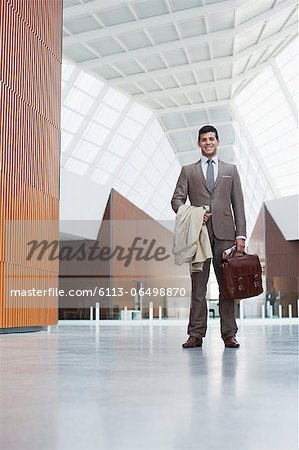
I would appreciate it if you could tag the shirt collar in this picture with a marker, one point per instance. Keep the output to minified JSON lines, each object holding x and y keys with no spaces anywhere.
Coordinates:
{"x":204,"y":159}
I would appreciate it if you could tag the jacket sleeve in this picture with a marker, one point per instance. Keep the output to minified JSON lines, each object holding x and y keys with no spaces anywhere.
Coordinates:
{"x":181,"y":191}
{"x":237,"y":200}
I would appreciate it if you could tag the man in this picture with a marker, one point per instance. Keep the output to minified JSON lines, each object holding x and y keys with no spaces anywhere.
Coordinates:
{"x":217,"y":184}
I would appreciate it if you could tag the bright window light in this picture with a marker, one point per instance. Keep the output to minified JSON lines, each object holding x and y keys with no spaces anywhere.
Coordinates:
{"x":130,"y":129}
{"x":66,"y":138}
{"x":67,"y":70}
{"x":139,"y":113}
{"x":290,"y":180}
{"x":109,"y":162}
{"x":137,"y":199}
{"x":287,"y":124}
{"x":86,"y":151}
{"x":280,"y":143}
{"x":128,"y":174}
{"x":157,"y":131}
{"x":172,"y":177}
{"x":115,"y":99}
{"x":96,"y":133}
{"x":78,"y":101}
{"x":166,"y":190}
{"x":138,"y":159}
{"x":122,"y":187}
{"x":99,"y":176}
{"x":148,"y":144}
{"x":152,"y":210}
{"x":70,"y":120}
{"x":175,"y":167}
{"x":89,"y":84}
{"x":119,"y":145}
{"x":75,"y":166}
{"x":145,"y":188}
{"x":287,"y":61}
{"x":160,"y":161}
{"x":167,"y":149}
{"x":281,"y":170}
{"x":106,"y":116}
{"x":269,"y":120}
{"x":159,"y":203}
{"x":152,"y":174}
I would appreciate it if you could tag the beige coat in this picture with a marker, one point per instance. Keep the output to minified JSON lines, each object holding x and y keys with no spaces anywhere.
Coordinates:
{"x":191,"y":243}
{"x":225,"y":201}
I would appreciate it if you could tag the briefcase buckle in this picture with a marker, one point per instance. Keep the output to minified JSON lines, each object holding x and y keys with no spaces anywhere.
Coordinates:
{"x":256,"y":281}
{"x":241,"y":287}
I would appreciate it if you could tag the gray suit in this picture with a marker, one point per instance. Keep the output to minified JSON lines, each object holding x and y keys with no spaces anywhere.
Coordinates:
{"x":227,"y":222}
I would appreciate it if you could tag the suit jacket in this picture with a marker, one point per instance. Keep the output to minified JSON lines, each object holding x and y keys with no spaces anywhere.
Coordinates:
{"x":226,"y":200}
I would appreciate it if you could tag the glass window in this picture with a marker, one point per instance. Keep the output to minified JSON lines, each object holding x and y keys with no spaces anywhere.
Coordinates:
{"x":121,"y":187}
{"x":130,"y":129}
{"x":89,"y":84}
{"x":287,"y":60}
{"x":268,"y":118}
{"x":160,"y":161}
{"x":136,"y":198}
{"x":152,"y":174}
{"x":96,"y":133}
{"x":70,"y":121}
{"x":148,"y":144}
{"x":78,"y":101}
{"x":109,"y":162}
{"x":129,"y":174}
{"x":116,"y":99}
{"x":139,"y":113}
{"x":157,"y":131}
{"x":106,"y":116}
{"x":86,"y":151}
{"x":67,"y":70}
{"x":99,"y":176}
{"x":145,"y":188}
{"x":138,"y":159}
{"x":119,"y":145}
{"x":166,"y":191}
{"x":167,"y":149}
{"x":65,"y":140}
{"x":75,"y":166}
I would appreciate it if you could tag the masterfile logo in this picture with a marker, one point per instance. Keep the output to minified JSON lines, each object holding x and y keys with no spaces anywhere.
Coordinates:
{"x":140,"y":250}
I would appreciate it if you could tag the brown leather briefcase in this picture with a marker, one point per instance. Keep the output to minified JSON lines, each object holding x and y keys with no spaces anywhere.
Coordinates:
{"x":240,"y":276}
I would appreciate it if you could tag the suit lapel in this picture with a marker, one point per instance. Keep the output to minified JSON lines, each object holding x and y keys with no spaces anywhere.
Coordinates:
{"x":200,"y":172}
{"x":219,"y":173}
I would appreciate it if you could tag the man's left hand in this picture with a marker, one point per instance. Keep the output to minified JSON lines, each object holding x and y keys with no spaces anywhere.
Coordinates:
{"x":240,"y":245}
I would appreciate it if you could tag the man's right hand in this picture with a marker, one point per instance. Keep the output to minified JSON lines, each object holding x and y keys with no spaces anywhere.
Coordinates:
{"x":206,"y":217}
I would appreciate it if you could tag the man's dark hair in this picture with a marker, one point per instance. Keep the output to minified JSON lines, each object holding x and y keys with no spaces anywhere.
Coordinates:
{"x":208,"y":129}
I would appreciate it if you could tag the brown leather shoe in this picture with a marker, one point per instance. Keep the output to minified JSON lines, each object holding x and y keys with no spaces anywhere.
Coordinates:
{"x":231,"y":342}
{"x":192,"y":342}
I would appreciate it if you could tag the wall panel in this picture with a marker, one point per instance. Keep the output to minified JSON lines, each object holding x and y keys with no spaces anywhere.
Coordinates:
{"x":30,"y":78}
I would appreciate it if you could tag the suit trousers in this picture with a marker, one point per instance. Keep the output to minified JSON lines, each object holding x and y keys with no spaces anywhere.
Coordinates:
{"x":198,"y":310}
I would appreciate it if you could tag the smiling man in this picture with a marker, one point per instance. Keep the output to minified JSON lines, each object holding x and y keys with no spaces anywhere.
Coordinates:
{"x":217,"y":184}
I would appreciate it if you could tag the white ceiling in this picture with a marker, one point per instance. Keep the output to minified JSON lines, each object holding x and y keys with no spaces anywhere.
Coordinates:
{"x":184,"y":59}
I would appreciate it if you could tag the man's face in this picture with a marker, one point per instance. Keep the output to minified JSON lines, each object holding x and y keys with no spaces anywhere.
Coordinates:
{"x":208,"y":144}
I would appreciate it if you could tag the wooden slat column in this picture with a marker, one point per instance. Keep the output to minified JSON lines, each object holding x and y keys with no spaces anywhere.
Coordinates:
{"x":30,"y":84}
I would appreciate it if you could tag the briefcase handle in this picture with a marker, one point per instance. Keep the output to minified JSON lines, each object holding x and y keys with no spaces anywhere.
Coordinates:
{"x":236,"y":254}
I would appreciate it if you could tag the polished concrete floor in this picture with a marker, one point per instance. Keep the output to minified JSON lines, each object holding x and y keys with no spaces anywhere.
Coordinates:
{"x":133,"y":387}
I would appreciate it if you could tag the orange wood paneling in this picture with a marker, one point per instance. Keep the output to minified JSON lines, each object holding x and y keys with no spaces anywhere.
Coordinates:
{"x":30,"y":83}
